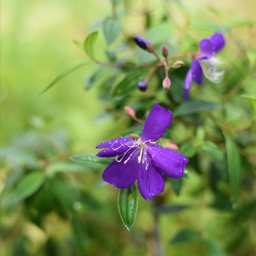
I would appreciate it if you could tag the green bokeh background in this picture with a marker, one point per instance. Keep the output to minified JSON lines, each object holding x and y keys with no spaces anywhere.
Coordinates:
{"x":37,"y":44}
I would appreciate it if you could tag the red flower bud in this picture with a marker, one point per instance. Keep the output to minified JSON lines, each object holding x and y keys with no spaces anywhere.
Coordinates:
{"x":178,"y":64}
{"x":165,"y":51}
{"x":166,"y":83}
{"x":130,"y":112}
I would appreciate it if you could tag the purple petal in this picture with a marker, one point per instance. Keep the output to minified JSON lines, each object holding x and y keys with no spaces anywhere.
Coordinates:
{"x":206,"y":49}
{"x":150,"y":181}
{"x":170,"y":162}
{"x":218,"y":42}
{"x":116,"y":151}
{"x":197,"y":72}
{"x":115,"y":143}
{"x":122,"y":175}
{"x":188,"y":82}
{"x":158,"y":120}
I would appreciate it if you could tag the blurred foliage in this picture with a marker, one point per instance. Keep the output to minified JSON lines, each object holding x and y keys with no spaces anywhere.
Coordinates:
{"x":53,"y":206}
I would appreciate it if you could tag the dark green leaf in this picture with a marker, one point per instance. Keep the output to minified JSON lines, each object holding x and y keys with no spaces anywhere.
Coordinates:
{"x":185,"y":235}
{"x":62,"y":75}
{"x":29,"y":185}
{"x":89,"y":43}
{"x":170,"y":208}
{"x":187,"y":150}
{"x":111,"y":55}
{"x":214,"y":248}
{"x":129,"y":84}
{"x":92,"y":160}
{"x":233,"y":160}
{"x":176,"y":185}
{"x":94,"y":78}
{"x":79,"y":234}
{"x":111,"y":29}
{"x":190,"y":107}
{"x":127,"y":205}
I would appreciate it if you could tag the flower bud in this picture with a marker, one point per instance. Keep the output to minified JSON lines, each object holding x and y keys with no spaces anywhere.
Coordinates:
{"x":130,"y":112}
{"x":166,"y":83}
{"x":172,"y":146}
{"x":143,"y":43}
{"x":134,"y":136}
{"x":142,"y":86}
{"x":165,"y":51}
{"x":178,"y":64}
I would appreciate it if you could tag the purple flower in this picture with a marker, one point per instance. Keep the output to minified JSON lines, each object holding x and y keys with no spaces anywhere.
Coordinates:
{"x":143,"y":43}
{"x":205,"y":63}
{"x":143,"y":159}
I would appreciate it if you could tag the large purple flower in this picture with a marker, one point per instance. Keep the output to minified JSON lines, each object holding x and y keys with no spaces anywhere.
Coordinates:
{"x":205,"y":63}
{"x":143,"y":159}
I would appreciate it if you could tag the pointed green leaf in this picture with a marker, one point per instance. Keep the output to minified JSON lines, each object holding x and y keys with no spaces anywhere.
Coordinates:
{"x":29,"y":185}
{"x":233,"y":160}
{"x":129,"y":84}
{"x":63,"y":74}
{"x":89,"y":43}
{"x":176,"y":185}
{"x":127,"y":205}
{"x":92,"y":160}
{"x":191,"y":107}
{"x":187,"y":149}
{"x":170,"y":208}
{"x":111,"y":29}
{"x":185,"y":235}
{"x":214,"y":248}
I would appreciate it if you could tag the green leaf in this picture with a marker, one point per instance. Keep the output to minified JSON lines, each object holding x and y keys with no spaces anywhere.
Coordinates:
{"x":187,"y":150}
{"x":111,"y":29}
{"x":214,"y":248}
{"x":215,"y":152}
{"x":233,"y":160}
{"x":176,"y":185}
{"x":92,"y":160}
{"x":170,"y":208}
{"x":95,"y":78}
{"x":129,"y":84}
{"x":191,"y":107}
{"x":63,"y":74}
{"x":78,"y":44}
{"x":184,"y":236}
{"x":89,"y":43}
{"x":127,"y":205}
{"x":29,"y":185}
{"x":79,"y":234}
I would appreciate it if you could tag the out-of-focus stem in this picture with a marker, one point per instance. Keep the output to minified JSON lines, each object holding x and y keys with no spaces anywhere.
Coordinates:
{"x":158,"y":248}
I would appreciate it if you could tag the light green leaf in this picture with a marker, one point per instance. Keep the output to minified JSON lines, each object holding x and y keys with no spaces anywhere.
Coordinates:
{"x":187,"y":149}
{"x":214,"y":248}
{"x":63,"y":74}
{"x":215,"y":152}
{"x":89,"y":43}
{"x":29,"y":185}
{"x":92,"y":160}
{"x":78,"y":44}
{"x":233,"y":160}
{"x":184,"y":236}
{"x":127,"y":205}
{"x":191,"y":107}
{"x":111,"y":29}
{"x":129,"y":84}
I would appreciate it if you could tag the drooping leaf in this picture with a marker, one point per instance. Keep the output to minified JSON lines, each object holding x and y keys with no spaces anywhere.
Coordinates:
{"x":215,"y":152}
{"x":191,"y":107}
{"x":184,"y":236}
{"x":176,"y":185}
{"x":63,"y":74}
{"x":111,"y":29}
{"x":89,"y":43}
{"x":214,"y":248}
{"x":29,"y":184}
{"x":233,"y":160}
{"x":127,"y":205}
{"x":170,"y":208}
{"x":92,"y":160}
{"x":129,"y":84}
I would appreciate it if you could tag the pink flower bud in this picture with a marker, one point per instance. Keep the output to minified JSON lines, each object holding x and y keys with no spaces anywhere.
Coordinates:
{"x":134,"y":136}
{"x":166,"y":83}
{"x":178,"y":64}
{"x":165,"y":51}
{"x":172,"y":146}
{"x":130,"y":112}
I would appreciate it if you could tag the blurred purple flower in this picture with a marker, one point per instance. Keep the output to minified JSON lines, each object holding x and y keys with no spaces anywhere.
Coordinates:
{"x":205,"y":63}
{"x":143,"y":159}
